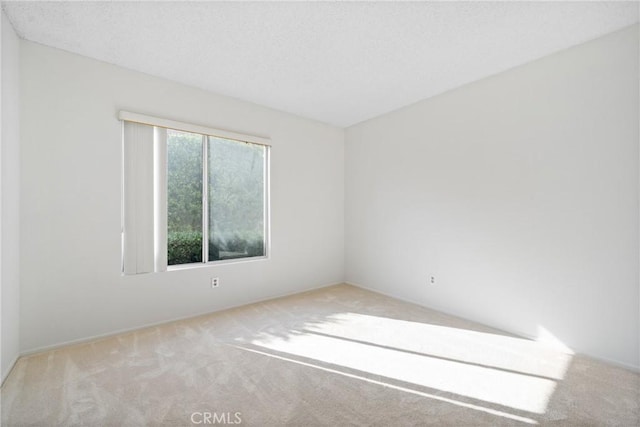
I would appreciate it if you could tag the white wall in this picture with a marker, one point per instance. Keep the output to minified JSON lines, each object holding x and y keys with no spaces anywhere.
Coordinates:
{"x":71,"y":153}
{"x":10,"y":200}
{"x":519,"y":192}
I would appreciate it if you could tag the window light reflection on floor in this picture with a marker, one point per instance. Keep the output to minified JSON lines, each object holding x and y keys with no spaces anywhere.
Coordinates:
{"x":508,"y":371}
{"x":399,"y":388}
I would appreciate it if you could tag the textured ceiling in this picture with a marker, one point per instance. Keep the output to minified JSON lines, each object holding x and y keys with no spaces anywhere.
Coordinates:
{"x":339,"y":63}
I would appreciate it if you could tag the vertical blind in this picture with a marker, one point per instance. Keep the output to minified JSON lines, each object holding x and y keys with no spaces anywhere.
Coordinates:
{"x":144,"y":230}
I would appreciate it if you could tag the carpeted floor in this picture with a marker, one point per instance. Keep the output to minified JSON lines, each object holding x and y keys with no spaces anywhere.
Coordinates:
{"x":335,"y":356}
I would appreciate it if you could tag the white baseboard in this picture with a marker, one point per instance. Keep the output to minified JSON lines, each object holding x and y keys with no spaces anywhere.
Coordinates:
{"x":84,"y":340}
{"x":29,"y":352}
{"x":11,"y":366}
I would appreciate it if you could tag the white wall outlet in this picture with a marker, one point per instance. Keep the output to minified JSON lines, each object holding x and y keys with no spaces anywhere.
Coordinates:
{"x":432,"y":280}
{"x":215,"y":282}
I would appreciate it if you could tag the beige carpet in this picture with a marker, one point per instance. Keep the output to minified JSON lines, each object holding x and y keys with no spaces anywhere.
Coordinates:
{"x":336,"y":356}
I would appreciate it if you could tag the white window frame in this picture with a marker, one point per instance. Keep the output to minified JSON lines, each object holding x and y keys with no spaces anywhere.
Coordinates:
{"x":160,"y":196}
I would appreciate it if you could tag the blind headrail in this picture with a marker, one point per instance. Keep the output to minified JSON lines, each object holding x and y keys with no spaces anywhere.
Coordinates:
{"x":188,"y":127}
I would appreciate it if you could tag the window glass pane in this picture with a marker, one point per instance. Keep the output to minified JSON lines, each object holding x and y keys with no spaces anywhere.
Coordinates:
{"x":236,"y":199}
{"x":184,"y":197}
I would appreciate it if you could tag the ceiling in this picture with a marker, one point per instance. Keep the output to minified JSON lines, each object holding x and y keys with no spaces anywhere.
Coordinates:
{"x":339,"y":63}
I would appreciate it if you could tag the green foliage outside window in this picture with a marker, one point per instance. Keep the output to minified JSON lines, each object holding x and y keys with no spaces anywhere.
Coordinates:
{"x":236,"y":198}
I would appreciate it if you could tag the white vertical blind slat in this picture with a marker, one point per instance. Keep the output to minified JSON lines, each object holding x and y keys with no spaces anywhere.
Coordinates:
{"x":160,"y":195}
{"x":138,"y":198}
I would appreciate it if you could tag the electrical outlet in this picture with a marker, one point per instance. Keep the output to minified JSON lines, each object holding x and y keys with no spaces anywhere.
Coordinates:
{"x":432,"y":280}
{"x":215,"y":282}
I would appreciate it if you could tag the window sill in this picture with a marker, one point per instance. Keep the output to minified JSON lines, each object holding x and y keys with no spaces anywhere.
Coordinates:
{"x":180,"y":267}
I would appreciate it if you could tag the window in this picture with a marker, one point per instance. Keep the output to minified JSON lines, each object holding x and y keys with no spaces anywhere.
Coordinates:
{"x":191,"y":195}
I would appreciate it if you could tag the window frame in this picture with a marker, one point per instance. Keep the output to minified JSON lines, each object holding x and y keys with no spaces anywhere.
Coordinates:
{"x":207,"y":132}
